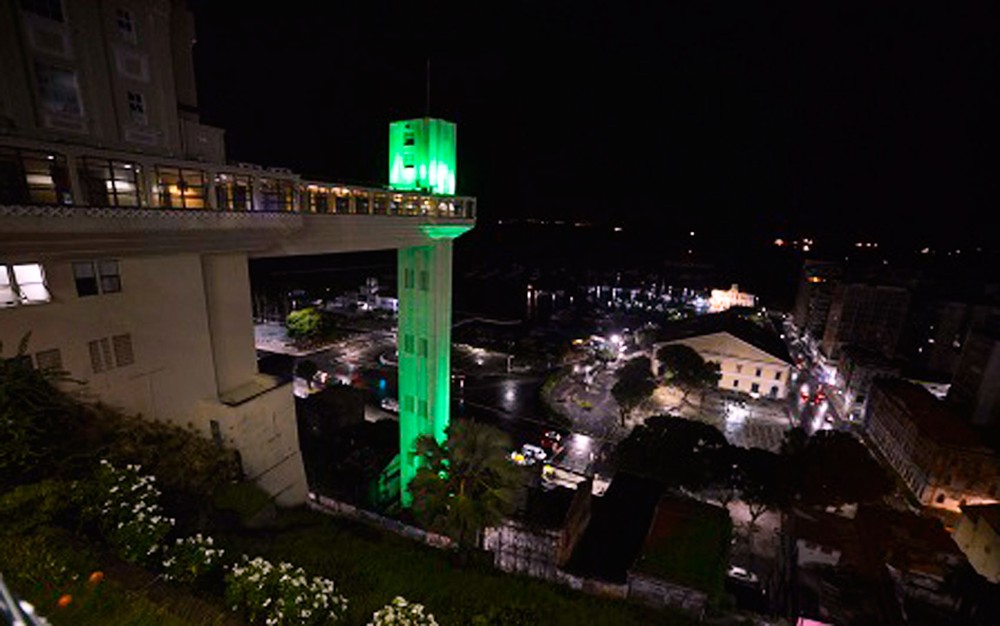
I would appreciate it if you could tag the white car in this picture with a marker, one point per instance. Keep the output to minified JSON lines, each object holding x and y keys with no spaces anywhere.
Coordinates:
{"x":741,"y":574}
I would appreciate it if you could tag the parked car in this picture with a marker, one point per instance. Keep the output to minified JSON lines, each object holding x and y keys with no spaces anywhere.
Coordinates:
{"x":741,"y":574}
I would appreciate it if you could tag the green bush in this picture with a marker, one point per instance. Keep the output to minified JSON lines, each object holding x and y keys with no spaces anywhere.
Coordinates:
{"x":304,"y":324}
{"x":37,"y":422}
{"x":125,"y":505}
{"x":282,"y":595}
{"x":191,"y":559}
{"x":27,"y":507}
{"x":245,"y":499}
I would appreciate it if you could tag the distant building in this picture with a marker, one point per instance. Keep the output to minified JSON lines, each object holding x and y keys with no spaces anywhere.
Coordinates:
{"x":725,"y":299}
{"x":817,"y":283}
{"x":933,"y":450}
{"x":978,"y":536}
{"x":975,"y":389}
{"x":858,"y":369}
{"x":752,"y":359}
{"x":867,"y":315}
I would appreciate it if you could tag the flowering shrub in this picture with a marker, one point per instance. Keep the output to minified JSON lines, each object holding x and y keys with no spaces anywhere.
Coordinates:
{"x":282,"y":595}
{"x":191,"y":558}
{"x":128,"y":512}
{"x":399,"y":612}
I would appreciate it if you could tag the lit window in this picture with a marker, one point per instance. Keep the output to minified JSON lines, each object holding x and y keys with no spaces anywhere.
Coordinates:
{"x":137,"y":108}
{"x":112,"y":183}
{"x":22,"y":284}
{"x":8,"y":296}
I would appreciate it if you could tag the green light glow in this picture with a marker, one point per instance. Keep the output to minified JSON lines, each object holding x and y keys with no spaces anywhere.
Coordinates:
{"x":444,"y":231}
{"x":422,"y":155}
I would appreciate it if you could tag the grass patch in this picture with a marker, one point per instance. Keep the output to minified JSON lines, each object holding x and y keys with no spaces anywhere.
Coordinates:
{"x":371,"y":567}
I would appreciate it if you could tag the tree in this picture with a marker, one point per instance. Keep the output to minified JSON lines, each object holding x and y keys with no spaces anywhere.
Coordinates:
{"x":634,"y":386}
{"x":304,"y":324}
{"x":835,"y":468}
{"x":37,"y":421}
{"x":762,"y":483}
{"x":465,"y":484}
{"x":675,"y":451}
{"x":683,"y":367}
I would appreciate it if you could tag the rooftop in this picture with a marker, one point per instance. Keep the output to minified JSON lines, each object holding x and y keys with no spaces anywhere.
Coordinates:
{"x":686,"y":544}
{"x":932,"y":417}
{"x":732,"y":323}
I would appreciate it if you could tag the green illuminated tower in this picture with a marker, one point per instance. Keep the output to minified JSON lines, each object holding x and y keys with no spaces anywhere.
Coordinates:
{"x":422,"y":155}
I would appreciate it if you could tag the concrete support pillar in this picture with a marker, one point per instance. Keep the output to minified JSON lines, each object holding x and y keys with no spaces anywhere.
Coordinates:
{"x":424,"y":344}
{"x":230,"y":318}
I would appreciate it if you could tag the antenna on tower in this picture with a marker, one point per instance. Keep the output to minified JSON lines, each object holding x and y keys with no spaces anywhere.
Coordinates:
{"x":427,"y":110}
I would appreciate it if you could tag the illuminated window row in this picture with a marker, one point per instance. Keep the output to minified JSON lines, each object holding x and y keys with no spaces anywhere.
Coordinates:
{"x":41,"y":177}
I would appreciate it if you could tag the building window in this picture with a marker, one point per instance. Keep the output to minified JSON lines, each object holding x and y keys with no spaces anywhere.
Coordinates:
{"x":277,"y":195}
{"x":23,"y":284}
{"x":758,"y":372}
{"x":777,"y":375}
{"x":422,"y":408}
{"x":424,"y":280}
{"x":100,"y":355}
{"x":52,"y":9}
{"x":754,"y":388}
{"x":408,"y":278}
{"x":58,"y":90}
{"x":110,"y":352}
{"x":123,"y":350}
{"x":408,"y":344}
{"x":112,"y":183}
{"x":31,"y":176}
{"x":739,"y":369}
{"x":408,"y":404}
{"x":123,"y":18}
{"x":774,"y":391}
{"x":234,"y":192}
{"x":180,"y":188}
{"x":422,"y":347}
{"x":736,"y":384}
{"x":137,"y":108}
{"x":94,"y":277}
{"x":49,"y":360}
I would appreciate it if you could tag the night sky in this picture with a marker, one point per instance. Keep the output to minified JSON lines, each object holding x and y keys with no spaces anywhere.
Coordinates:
{"x":867,"y":122}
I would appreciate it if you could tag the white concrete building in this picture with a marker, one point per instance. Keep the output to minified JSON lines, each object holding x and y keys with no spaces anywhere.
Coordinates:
{"x":752,"y":360}
{"x":124,"y":237}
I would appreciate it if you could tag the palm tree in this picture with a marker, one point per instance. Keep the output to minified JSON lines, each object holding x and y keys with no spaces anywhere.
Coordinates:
{"x":465,"y":484}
